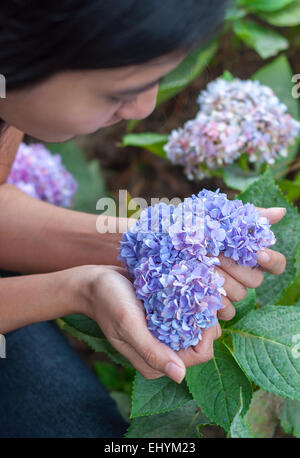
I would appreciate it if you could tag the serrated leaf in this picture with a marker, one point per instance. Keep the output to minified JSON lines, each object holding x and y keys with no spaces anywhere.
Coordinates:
{"x":99,"y":345}
{"x":181,"y":423}
{"x":286,"y":17}
{"x":243,"y":307}
{"x":147,"y":140}
{"x":219,"y":398}
{"x":161,"y":395}
{"x":264,"y":5}
{"x":290,"y":417}
{"x":264,"y":346}
{"x":265,"y":193}
{"x":264,"y":41}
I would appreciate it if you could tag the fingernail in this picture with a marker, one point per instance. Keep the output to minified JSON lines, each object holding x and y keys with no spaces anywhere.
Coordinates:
{"x":282,"y":209}
{"x":263,"y":257}
{"x":175,"y":372}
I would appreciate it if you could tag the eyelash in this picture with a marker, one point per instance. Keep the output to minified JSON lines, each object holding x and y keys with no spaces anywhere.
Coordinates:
{"x":118,"y":100}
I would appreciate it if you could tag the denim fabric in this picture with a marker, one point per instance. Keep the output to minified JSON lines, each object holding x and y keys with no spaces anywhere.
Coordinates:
{"x":46,"y":390}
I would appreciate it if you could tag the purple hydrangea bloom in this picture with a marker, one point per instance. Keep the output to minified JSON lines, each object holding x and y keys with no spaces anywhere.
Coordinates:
{"x":236,"y":117}
{"x":42,"y":175}
{"x":172,"y":252}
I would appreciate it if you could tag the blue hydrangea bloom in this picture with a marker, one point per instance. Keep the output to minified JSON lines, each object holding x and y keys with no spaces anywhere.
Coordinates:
{"x":172,"y":252}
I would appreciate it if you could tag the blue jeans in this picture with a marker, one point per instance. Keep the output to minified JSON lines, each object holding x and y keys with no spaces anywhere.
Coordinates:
{"x":46,"y":390}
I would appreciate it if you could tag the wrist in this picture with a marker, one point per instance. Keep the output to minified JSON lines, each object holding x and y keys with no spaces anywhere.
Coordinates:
{"x":77,"y":288}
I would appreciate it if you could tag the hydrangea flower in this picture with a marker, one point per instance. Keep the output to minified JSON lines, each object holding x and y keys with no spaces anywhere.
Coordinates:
{"x":42,"y":175}
{"x":235,"y":117}
{"x":172,"y":252}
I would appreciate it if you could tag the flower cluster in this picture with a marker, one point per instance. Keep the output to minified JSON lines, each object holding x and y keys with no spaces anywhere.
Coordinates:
{"x":235,"y":117}
{"x":172,"y":252}
{"x":42,"y":175}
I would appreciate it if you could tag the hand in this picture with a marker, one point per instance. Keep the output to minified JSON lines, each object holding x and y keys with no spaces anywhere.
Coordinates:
{"x":110,"y":300}
{"x":108,"y":297}
{"x":238,"y":278}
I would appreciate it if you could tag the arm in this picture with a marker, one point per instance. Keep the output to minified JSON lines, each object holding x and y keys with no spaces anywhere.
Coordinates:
{"x":38,"y":237}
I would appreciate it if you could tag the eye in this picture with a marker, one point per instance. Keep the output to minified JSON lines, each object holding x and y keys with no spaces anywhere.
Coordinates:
{"x":115,"y":99}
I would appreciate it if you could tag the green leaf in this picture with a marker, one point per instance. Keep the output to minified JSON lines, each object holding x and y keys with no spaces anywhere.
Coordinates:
{"x":291,"y":189}
{"x":287,"y":17}
{"x":147,"y":140}
{"x":243,"y":307}
{"x":186,"y":72}
{"x":123,"y":402}
{"x":157,"y":396}
{"x":233,"y":13}
{"x":99,"y":345}
{"x":290,"y":417}
{"x":265,"y":193}
{"x":83,"y":324}
{"x":237,"y":178}
{"x":265,"y":42}
{"x":292,"y":293}
{"x":264,"y":5}
{"x":215,"y":386}
{"x":264,"y":346}
{"x":87,"y":174}
{"x":227,"y":76}
{"x":278,"y":76}
{"x":181,"y":423}
{"x":108,"y":375}
{"x":239,"y":427}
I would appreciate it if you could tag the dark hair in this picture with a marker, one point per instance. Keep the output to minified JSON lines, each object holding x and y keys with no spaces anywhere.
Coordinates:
{"x":39,"y":38}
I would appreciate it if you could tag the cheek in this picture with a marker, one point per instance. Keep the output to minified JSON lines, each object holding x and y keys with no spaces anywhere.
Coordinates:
{"x":80,"y":120}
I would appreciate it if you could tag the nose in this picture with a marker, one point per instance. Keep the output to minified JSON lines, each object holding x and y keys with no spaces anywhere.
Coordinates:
{"x":141,"y":107}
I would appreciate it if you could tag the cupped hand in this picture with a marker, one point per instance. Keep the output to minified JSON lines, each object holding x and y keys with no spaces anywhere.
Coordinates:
{"x":113,"y":304}
{"x":111,"y":301}
{"x":239,"y":278}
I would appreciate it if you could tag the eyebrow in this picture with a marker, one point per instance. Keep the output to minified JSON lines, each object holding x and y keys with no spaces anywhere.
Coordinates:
{"x":136,"y":90}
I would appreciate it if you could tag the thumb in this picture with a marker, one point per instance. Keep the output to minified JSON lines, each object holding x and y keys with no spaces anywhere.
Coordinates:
{"x":155,"y":354}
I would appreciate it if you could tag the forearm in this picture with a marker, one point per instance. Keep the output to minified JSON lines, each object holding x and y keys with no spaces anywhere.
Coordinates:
{"x":34,"y":298}
{"x":39,"y":237}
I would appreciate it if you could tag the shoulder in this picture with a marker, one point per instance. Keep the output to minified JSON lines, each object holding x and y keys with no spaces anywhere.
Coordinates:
{"x":10,"y":139}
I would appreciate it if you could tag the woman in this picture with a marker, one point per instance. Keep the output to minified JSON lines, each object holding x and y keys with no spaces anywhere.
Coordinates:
{"x":71,"y":68}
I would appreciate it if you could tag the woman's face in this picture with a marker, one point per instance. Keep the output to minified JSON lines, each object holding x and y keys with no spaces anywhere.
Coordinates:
{"x":81,"y":102}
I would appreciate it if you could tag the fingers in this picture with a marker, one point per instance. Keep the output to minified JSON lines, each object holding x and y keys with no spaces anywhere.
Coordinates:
{"x":274,"y":214}
{"x":204,"y":350}
{"x":249,"y":277}
{"x":235,"y":291}
{"x":228,"y":311}
{"x":153,"y":354}
{"x":272,"y":261}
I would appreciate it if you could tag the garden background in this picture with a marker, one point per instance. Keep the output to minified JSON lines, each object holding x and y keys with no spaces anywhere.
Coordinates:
{"x":260,"y":41}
